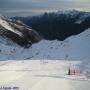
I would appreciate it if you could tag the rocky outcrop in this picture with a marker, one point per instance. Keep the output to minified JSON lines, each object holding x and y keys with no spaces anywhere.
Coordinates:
{"x":18,"y":32}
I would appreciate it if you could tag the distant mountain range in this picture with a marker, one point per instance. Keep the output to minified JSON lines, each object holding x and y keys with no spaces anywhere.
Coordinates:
{"x":58,"y":25}
{"x":54,"y":34}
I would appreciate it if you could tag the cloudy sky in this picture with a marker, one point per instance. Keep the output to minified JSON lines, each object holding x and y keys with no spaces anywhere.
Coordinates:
{"x":35,"y":7}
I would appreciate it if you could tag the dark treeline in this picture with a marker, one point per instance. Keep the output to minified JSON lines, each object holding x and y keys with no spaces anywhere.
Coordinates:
{"x":58,"y":25}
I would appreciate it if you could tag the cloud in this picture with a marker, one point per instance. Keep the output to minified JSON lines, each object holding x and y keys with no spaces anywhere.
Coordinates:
{"x":39,"y":6}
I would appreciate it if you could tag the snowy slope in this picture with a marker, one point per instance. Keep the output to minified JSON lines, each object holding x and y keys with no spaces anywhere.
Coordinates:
{"x":48,"y":74}
{"x":75,"y":47}
{"x":38,"y":75}
{"x":8,"y":27}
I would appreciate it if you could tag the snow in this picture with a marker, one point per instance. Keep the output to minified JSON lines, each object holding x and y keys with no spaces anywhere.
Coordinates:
{"x":8,"y":27}
{"x":73,"y":13}
{"x":73,"y":48}
{"x":47,"y":65}
{"x":83,"y":17}
{"x":70,"y":12}
{"x":41,"y":75}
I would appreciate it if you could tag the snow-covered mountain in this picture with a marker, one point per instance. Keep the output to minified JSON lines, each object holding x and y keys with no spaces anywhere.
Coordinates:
{"x":75,"y":47}
{"x":82,"y":16}
{"x":59,"y":25}
{"x":26,"y":72}
{"x":18,"y":32}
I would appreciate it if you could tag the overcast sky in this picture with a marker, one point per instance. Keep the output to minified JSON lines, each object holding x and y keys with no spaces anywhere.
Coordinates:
{"x":35,"y":7}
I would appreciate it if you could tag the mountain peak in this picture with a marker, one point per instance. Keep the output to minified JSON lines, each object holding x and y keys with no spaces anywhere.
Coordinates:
{"x":70,"y":11}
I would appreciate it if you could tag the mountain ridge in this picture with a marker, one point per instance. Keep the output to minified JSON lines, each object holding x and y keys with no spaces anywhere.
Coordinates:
{"x":18,"y":32}
{"x":58,"y":25}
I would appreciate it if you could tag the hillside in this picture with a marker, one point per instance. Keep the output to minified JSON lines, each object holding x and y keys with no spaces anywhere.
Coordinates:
{"x":18,"y":32}
{"x":75,"y":47}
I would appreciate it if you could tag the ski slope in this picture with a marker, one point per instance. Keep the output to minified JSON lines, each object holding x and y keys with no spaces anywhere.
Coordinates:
{"x":42,"y":75}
